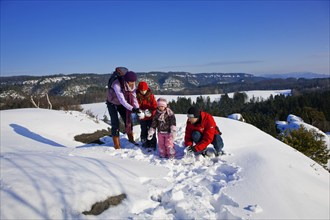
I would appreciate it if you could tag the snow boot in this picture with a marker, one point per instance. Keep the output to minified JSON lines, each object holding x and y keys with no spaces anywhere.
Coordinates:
{"x":131,"y":139}
{"x":152,"y":143}
{"x":144,"y":142}
{"x":116,"y":142}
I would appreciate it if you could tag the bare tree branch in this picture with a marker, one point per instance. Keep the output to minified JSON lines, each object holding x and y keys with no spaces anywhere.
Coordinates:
{"x":35,"y":105}
{"x":49,"y":103}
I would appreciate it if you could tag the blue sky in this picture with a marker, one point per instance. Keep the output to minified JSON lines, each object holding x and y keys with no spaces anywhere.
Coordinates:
{"x":258,"y":37}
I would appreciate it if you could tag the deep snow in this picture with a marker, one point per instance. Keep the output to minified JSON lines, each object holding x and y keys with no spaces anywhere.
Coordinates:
{"x":45,"y":174}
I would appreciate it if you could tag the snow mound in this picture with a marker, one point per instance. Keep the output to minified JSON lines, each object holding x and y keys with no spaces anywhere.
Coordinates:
{"x":236,"y":116}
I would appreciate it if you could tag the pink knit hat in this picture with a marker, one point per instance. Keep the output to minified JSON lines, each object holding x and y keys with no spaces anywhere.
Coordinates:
{"x":162,"y":102}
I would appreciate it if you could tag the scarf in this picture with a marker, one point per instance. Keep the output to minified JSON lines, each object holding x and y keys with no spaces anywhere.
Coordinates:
{"x":164,"y":114}
{"x":130,"y":100}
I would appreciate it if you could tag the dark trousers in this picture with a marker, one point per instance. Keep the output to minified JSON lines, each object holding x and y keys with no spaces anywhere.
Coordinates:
{"x":217,"y":140}
{"x":145,"y":126}
{"x":113,"y":112}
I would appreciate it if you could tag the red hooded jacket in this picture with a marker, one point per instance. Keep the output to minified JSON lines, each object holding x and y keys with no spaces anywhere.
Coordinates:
{"x":207,"y":127}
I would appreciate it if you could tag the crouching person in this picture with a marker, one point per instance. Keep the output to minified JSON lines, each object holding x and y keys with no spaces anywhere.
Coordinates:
{"x":201,"y":130}
{"x":165,"y":123}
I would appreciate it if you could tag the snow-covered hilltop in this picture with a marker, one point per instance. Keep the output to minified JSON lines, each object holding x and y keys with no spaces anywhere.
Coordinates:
{"x":45,"y":174}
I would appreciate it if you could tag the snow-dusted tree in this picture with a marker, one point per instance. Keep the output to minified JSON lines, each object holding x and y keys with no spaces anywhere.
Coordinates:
{"x":308,"y":142}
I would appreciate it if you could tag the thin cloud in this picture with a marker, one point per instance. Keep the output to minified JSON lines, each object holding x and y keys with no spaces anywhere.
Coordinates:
{"x":318,"y":55}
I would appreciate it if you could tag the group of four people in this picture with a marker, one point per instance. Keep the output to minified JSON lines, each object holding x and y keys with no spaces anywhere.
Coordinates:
{"x":156,"y":117}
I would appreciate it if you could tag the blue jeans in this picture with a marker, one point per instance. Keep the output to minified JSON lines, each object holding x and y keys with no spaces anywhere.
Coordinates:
{"x":217,"y":140}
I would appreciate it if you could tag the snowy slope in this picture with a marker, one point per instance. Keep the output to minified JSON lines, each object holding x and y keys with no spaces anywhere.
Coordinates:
{"x":45,"y":174}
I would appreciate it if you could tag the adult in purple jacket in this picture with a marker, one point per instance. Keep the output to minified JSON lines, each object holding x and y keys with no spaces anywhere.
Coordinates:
{"x":121,"y":99}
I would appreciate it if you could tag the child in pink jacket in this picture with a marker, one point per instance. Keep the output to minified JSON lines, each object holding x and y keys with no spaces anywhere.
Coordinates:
{"x":165,"y":123}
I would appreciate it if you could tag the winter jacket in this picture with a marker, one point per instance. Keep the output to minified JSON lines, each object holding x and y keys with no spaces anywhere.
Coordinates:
{"x":164,"y":121}
{"x":118,"y":95}
{"x":147,"y":101}
{"x":206,"y":126}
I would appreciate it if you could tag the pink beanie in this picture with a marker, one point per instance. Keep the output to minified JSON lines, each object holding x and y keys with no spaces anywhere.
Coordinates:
{"x":162,"y":102}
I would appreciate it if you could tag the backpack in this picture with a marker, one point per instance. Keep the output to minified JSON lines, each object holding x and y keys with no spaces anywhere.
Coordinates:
{"x":117,"y":74}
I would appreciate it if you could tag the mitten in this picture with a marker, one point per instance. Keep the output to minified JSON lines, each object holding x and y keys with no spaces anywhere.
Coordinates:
{"x":149,"y":136}
{"x":150,"y":133}
{"x":147,"y":113}
{"x":173,"y":131}
{"x":140,"y":115}
{"x":173,"y":135}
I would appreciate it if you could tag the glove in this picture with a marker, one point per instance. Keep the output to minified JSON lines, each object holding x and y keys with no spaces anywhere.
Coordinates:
{"x":141,"y":115}
{"x":191,"y":149}
{"x":136,"y":110}
{"x":150,"y":136}
{"x":147,"y":113}
{"x":173,"y":131}
{"x":150,"y":133}
{"x":173,"y":135}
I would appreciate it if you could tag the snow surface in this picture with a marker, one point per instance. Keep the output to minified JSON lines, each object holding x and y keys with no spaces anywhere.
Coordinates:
{"x":46,"y":174}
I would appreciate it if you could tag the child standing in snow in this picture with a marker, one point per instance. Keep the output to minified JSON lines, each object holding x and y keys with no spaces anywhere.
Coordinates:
{"x":148,"y":106}
{"x":165,"y":123}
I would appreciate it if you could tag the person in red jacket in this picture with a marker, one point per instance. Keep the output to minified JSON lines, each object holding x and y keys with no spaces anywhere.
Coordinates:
{"x":148,"y":106}
{"x":201,"y":130}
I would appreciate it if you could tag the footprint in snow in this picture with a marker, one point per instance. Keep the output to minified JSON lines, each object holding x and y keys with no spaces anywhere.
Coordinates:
{"x":254,"y":208}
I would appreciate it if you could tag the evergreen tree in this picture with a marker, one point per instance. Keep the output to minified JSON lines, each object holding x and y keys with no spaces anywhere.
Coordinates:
{"x":226,"y":105}
{"x":181,"y":105}
{"x":308,"y":142}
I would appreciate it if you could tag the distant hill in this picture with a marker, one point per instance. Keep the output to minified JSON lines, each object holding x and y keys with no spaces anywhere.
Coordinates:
{"x":297,"y":75}
{"x":75,"y":84}
{"x":15,"y":91}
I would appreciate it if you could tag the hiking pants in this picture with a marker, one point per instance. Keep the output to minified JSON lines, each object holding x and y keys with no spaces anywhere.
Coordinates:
{"x":217,"y":140}
{"x":113,"y":112}
{"x":166,"y":145}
